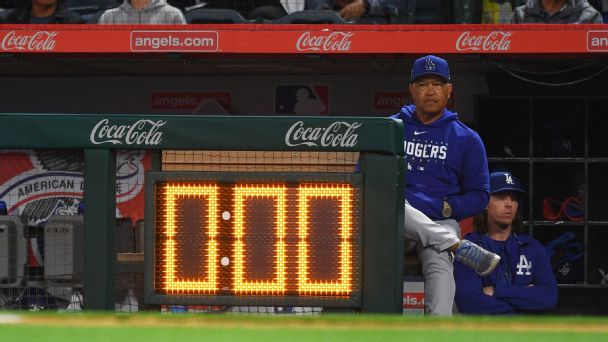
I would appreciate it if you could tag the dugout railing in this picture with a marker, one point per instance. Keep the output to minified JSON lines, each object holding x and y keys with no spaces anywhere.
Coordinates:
{"x":375,"y":144}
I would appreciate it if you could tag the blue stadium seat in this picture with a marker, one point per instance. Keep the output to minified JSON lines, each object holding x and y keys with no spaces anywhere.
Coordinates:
{"x":311,"y":17}
{"x":214,"y":16}
{"x":87,"y":8}
{"x":425,"y":12}
{"x":2,"y":15}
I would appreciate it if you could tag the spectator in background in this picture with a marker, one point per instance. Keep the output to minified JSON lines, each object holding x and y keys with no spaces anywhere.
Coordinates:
{"x":556,"y":12}
{"x":523,"y":281}
{"x":43,"y":12}
{"x":143,"y":12}
{"x":359,"y":11}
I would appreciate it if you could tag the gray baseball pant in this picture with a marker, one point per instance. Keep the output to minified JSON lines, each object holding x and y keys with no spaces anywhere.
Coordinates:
{"x":432,"y":239}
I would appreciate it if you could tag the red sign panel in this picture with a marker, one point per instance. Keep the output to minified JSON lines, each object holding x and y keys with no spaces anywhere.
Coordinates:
{"x":413,"y":300}
{"x":597,"y":41}
{"x":187,"y":101}
{"x":393,"y":100}
{"x":187,"y":41}
{"x":304,"y":39}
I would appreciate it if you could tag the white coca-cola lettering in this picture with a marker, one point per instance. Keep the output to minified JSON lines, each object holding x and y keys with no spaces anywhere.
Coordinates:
{"x":142,"y":132}
{"x":334,"y":41}
{"x":337,"y":134}
{"x":493,"y":41}
{"x":38,"y":41}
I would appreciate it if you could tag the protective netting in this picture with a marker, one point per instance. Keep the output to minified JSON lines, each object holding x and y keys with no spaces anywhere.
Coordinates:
{"x":42,"y":228}
{"x":42,"y":221}
{"x":259,"y":161}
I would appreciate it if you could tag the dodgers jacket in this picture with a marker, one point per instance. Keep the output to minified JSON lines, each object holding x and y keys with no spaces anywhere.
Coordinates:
{"x":444,"y":160}
{"x":524,"y":262}
{"x":156,"y":12}
{"x":574,"y":12}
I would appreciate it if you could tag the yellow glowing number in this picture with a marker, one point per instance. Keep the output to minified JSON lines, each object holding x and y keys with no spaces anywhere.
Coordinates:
{"x":343,"y":285}
{"x":195,"y":191}
{"x":241,"y":284}
{"x":306,"y":193}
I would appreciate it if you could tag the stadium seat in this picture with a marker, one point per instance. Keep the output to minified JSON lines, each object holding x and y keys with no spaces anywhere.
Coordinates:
{"x":466,"y":11}
{"x":87,"y":8}
{"x":311,"y":17}
{"x":214,"y":16}
{"x":7,"y":4}
{"x":425,"y":12}
{"x":91,"y":10}
{"x":2,"y":15}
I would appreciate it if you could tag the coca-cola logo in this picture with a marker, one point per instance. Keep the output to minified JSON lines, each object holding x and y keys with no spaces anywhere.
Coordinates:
{"x":337,"y":134}
{"x":142,"y":132}
{"x":36,"y":41}
{"x":493,"y":41}
{"x":324,"y":41}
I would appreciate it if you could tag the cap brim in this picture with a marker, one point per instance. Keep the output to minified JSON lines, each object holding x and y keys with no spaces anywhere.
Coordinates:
{"x":507,"y":189}
{"x":431,"y":74}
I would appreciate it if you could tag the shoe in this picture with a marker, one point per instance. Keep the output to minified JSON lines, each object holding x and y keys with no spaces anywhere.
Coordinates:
{"x":479,"y":259}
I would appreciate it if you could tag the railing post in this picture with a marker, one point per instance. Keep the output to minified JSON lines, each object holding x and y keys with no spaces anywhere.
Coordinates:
{"x":99,"y":229}
{"x":383,"y":233}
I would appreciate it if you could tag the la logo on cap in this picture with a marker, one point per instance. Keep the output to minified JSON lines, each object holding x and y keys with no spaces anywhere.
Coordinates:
{"x":429,"y":65}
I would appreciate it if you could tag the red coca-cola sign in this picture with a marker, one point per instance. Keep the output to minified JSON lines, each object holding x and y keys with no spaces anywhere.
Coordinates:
{"x":325,"y":41}
{"x":30,"y":40}
{"x":492,"y":41}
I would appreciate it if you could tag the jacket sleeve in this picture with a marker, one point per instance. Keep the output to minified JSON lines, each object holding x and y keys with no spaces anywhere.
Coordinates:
{"x":179,"y":18}
{"x":516,"y":18}
{"x":541,"y":296}
{"x":596,"y":18}
{"x":474,"y":181}
{"x":470,"y":298}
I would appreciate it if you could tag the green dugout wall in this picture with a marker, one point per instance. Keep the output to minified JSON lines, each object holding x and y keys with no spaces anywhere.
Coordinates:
{"x":379,"y":141}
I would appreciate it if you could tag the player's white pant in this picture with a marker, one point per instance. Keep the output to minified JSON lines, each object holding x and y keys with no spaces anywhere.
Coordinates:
{"x":432,"y":239}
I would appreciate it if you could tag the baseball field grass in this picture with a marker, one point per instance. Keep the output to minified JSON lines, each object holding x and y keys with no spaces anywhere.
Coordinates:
{"x":150,"y":327}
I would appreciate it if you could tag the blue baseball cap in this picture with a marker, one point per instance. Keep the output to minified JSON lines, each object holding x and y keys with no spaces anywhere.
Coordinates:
{"x":504,"y":181}
{"x":430,"y":65}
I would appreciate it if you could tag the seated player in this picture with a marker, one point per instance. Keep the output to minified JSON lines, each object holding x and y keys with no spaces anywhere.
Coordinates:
{"x":523,"y":281}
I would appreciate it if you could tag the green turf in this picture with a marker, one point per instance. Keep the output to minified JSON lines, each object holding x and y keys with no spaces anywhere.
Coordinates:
{"x":350,"y":328}
{"x":152,"y":334}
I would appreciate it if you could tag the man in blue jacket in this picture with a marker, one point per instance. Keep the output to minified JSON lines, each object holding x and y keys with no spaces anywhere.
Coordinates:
{"x":446,"y":181}
{"x":523,"y":281}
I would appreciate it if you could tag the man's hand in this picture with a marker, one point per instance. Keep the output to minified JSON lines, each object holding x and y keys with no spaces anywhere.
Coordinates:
{"x":488,"y":290}
{"x":354,"y":10}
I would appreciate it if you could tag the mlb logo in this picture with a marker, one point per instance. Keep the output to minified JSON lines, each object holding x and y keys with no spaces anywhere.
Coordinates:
{"x":303,"y":99}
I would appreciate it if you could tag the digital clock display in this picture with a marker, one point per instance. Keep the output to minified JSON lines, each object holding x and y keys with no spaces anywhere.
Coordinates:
{"x":255,"y":239}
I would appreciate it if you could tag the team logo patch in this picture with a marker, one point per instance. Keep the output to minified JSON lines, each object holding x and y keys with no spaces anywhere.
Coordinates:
{"x":524,"y":266}
{"x":38,"y":184}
